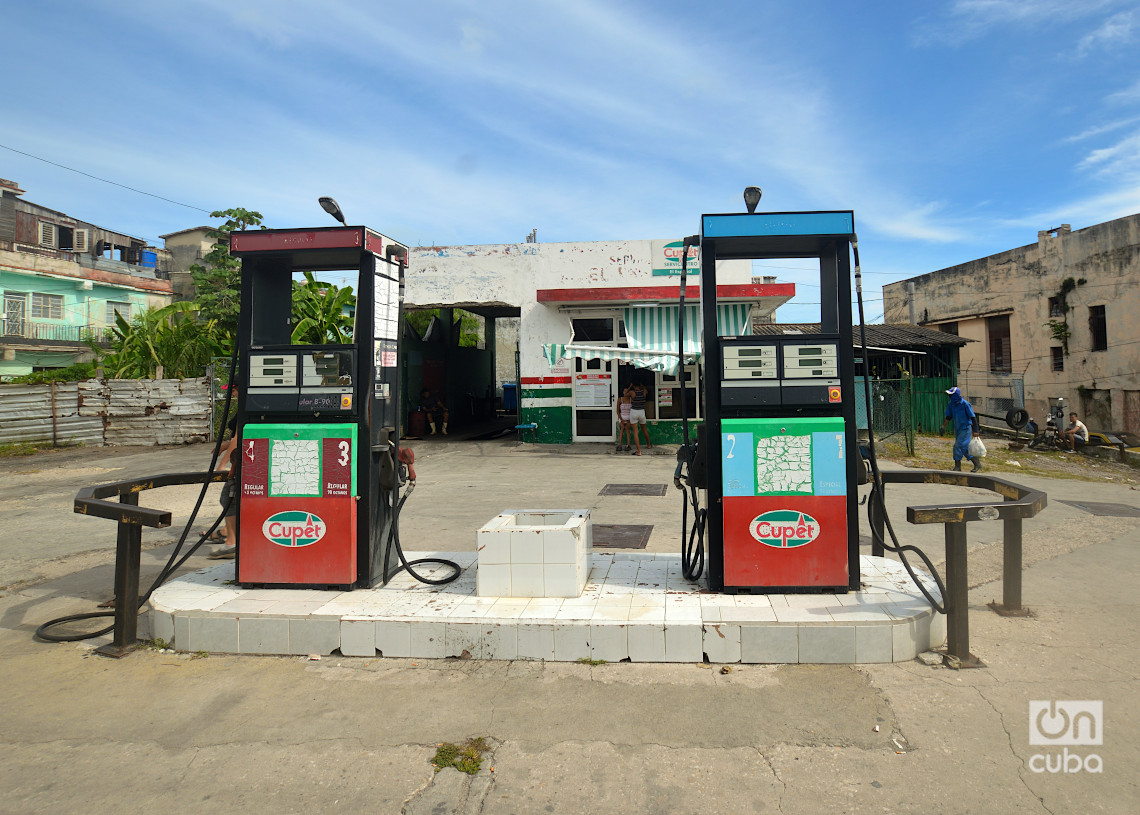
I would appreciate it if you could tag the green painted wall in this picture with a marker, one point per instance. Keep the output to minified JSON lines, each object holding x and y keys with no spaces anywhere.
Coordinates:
{"x":553,"y":424}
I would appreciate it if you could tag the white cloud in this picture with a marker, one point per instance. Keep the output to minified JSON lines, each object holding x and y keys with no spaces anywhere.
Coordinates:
{"x":969,"y":19}
{"x":1115,"y":31}
{"x":1120,"y":160}
{"x":1100,"y":130}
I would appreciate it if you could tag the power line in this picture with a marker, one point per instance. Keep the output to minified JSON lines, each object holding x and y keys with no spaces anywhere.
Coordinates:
{"x":104,"y":180}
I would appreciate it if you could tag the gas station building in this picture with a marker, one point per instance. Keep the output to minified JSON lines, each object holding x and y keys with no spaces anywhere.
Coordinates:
{"x":593,"y":317}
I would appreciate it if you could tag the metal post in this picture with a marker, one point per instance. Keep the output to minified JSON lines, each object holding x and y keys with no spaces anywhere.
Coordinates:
{"x":958,"y":591}
{"x":1011,"y":565}
{"x":128,"y":552}
{"x":878,"y":527}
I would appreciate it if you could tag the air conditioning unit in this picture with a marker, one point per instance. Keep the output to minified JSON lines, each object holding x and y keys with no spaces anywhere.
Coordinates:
{"x":85,"y":285}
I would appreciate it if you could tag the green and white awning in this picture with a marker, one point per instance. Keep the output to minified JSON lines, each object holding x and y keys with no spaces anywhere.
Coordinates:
{"x":651,"y":334}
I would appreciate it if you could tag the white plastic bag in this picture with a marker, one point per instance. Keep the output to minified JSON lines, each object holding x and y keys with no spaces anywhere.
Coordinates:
{"x":976,"y":448}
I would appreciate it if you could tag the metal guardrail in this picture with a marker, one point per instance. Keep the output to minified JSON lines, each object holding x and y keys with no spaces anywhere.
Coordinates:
{"x":128,"y":548}
{"x":1017,"y":503}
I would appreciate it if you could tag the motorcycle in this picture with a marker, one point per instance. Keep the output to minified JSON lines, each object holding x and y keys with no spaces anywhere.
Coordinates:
{"x":1051,"y":435}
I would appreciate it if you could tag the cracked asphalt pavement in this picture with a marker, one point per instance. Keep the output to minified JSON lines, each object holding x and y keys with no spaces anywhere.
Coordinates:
{"x":163,"y":731}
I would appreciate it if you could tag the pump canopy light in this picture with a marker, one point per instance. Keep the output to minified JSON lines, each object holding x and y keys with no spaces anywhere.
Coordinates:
{"x":751,"y":198}
{"x":330,"y":206}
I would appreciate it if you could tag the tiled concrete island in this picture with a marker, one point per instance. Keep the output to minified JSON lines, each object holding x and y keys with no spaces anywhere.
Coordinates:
{"x":634,"y":606}
{"x":534,"y":553}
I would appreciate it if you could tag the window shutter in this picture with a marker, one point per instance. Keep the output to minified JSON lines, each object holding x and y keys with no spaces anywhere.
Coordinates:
{"x":47,"y":234}
{"x":80,"y":241}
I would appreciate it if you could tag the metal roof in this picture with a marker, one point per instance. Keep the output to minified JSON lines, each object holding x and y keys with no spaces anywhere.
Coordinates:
{"x":894,"y":335}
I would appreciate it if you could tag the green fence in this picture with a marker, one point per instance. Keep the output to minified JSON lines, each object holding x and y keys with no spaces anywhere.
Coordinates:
{"x":908,"y":405}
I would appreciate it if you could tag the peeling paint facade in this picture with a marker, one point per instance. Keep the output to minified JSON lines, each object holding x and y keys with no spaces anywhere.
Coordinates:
{"x":1060,"y":314}
{"x":548,"y":286}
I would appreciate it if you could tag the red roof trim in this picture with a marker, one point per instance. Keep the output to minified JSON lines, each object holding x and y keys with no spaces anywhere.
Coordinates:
{"x":753,"y":291}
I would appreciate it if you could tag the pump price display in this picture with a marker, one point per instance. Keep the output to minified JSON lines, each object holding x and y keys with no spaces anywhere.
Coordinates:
{"x":280,"y":460}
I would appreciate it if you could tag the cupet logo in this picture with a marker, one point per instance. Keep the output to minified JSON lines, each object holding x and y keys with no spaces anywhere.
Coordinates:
{"x":784,"y":528}
{"x":293,"y":528}
{"x":1066,"y":722}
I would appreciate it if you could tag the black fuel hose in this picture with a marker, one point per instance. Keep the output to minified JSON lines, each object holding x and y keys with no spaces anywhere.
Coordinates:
{"x":876,"y":499}
{"x":173,"y":563}
{"x":692,"y":538}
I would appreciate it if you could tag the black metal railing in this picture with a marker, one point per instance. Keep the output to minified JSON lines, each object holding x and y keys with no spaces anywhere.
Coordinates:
{"x":128,"y":548}
{"x":1017,"y":504}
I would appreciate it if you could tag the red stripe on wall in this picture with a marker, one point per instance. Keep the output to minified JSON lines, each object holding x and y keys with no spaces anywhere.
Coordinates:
{"x":633,"y":293}
{"x":546,"y":380}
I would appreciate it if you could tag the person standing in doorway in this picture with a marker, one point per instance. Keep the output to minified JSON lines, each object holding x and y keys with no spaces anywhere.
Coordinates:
{"x":965,"y":424}
{"x":637,"y":416}
{"x":624,"y":406}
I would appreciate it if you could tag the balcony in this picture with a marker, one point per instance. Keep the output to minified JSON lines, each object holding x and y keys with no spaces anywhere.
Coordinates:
{"x":47,"y":332}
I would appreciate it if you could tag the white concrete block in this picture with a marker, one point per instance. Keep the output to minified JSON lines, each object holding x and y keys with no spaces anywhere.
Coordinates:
{"x":646,"y":642}
{"x":428,"y":640}
{"x":571,"y":641}
{"x":536,"y":641}
{"x":874,"y":644}
{"x":684,"y":642}
{"x":217,"y":635}
{"x":609,"y":642}
{"x":358,"y":638}
{"x":561,"y":580}
{"x":494,"y":547}
{"x":526,"y":546}
{"x":906,"y":645}
{"x":527,"y":580}
{"x":827,"y":644}
{"x":162,"y":626}
{"x":561,"y":546}
{"x":769,"y":643}
{"x":313,"y":636}
{"x":500,"y":641}
{"x":263,"y":635}
{"x":937,"y":630}
{"x":461,"y":638}
{"x":393,"y":638}
{"x":722,"y":642}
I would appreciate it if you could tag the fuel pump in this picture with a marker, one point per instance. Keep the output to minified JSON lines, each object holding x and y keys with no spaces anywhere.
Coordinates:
{"x":318,"y":424}
{"x":780,"y":452}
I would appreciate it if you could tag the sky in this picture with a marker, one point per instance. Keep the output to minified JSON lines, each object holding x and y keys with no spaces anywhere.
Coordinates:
{"x":953,"y":129}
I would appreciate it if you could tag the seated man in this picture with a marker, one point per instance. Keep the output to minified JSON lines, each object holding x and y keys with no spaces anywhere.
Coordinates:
{"x":435,"y":410}
{"x":1076,"y":433}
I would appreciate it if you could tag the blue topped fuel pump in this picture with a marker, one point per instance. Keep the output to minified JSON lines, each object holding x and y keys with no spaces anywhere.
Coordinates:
{"x":318,"y":424}
{"x":780,"y":451}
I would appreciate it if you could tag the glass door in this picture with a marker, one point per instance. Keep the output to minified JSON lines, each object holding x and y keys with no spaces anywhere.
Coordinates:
{"x":593,"y":383}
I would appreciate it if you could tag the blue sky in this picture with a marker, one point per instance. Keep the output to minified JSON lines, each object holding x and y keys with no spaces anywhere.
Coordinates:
{"x":953,"y":129}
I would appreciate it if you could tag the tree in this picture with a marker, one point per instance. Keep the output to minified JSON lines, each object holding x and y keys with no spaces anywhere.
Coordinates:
{"x":218,"y":280}
{"x":170,"y":337}
{"x":322,"y":312}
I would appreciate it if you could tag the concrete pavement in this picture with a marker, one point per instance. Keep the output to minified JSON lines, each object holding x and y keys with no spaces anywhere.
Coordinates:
{"x":280,"y":734}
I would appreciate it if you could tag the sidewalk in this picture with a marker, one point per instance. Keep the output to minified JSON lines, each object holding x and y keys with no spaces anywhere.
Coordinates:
{"x":163,"y":731}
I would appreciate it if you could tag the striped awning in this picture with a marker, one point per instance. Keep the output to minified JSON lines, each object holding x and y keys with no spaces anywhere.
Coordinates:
{"x":651,"y":334}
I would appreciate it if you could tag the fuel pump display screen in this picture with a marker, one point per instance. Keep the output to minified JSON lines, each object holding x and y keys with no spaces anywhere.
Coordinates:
{"x":785,"y":502}
{"x":301,"y":381}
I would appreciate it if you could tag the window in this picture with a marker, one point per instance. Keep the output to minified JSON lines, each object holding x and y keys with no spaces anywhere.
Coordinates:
{"x":47,"y":234}
{"x":113,"y":308}
{"x":594,"y":329}
{"x":1058,"y":358}
{"x":1098,"y":329}
{"x":669,"y":392}
{"x":997,"y":332}
{"x":1056,"y":308}
{"x":948,"y":328}
{"x":80,"y":242}
{"x":47,"y":306}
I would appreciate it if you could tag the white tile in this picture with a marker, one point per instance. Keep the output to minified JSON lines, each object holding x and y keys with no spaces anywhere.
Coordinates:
{"x":181,"y":639}
{"x":684,"y":642}
{"x":682,"y":613}
{"x":561,"y":546}
{"x":460,"y":638}
{"x":802,"y":615}
{"x":560,"y":580}
{"x":571,"y":641}
{"x":536,"y":641}
{"x":428,"y":640}
{"x":469,"y":611}
{"x":314,"y":636}
{"x":507,"y":608}
{"x":500,"y":641}
{"x":393,"y":638}
{"x":906,"y":644}
{"x":721,"y":642}
{"x":937,"y":630}
{"x":541,"y":608}
{"x":217,"y":635}
{"x":575,"y":612}
{"x":527,"y":580}
{"x":609,"y":642}
{"x":358,"y":638}
{"x":874,"y":643}
{"x":611,"y":613}
{"x":646,"y":642}
{"x":827,"y":644}
{"x":769,"y":643}
{"x":263,"y":635}
{"x":646,"y":614}
{"x":526,"y":546}
{"x":162,"y":626}
{"x":747,"y":615}
{"x":494,"y":547}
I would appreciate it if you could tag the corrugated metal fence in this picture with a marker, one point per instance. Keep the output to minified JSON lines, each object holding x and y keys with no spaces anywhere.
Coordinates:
{"x":107,"y":412}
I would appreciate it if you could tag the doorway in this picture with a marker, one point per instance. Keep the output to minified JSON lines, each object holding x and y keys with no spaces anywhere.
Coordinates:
{"x":594,"y":418}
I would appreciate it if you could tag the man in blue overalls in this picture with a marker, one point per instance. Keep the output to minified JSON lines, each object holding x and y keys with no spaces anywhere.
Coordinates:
{"x":965,"y":424}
